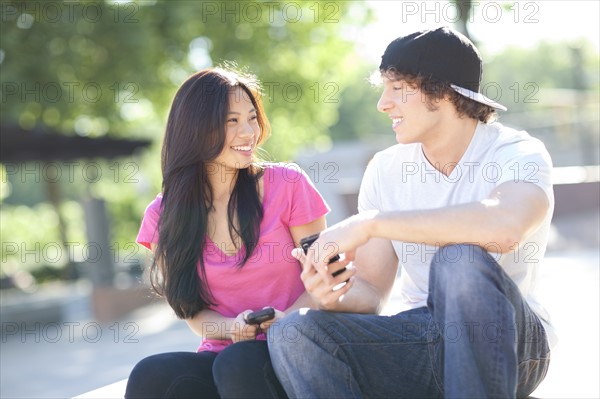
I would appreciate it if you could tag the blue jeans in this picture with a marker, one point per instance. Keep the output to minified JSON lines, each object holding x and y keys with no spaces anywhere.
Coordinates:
{"x":242,"y":370}
{"x":477,"y":338}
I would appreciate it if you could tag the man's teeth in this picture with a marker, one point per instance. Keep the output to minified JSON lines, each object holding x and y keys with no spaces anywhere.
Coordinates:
{"x":397,"y":120}
{"x":242,"y":147}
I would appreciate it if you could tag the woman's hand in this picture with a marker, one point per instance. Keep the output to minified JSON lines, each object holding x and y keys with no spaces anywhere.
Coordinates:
{"x":242,"y":331}
{"x":264,"y":326}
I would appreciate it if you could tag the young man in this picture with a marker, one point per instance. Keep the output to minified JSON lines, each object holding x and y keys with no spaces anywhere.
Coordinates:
{"x":463,"y":204}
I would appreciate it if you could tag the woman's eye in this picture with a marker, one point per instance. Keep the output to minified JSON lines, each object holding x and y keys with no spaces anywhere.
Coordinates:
{"x":397,"y":88}
{"x":232,"y":120}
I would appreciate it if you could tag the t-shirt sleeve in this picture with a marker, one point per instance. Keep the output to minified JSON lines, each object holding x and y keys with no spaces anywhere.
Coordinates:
{"x":148,"y":233}
{"x":526,"y":160}
{"x":307,"y":204}
{"x":367,"y":196}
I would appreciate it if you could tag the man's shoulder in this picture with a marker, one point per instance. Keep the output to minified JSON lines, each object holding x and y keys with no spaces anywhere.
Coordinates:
{"x":509,"y":137}
{"x":504,"y":142}
{"x":502,"y":133}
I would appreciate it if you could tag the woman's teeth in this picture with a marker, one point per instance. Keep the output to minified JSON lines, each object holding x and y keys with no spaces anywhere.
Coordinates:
{"x":242,"y":147}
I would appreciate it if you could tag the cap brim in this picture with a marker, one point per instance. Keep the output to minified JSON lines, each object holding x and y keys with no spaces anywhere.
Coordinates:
{"x":480,"y":98}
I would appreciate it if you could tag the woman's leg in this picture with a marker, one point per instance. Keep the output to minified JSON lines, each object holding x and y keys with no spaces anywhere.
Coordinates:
{"x":173,"y":375}
{"x":244,"y":370}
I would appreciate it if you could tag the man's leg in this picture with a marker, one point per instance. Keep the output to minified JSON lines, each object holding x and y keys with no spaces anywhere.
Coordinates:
{"x":325,"y":355}
{"x":493,"y":344}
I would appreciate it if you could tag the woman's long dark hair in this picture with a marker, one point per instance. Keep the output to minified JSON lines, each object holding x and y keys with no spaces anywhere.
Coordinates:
{"x":195,"y":135}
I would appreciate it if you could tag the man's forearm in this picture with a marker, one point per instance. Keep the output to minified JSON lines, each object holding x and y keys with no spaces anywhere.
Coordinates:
{"x":362,"y":298}
{"x":510,"y":215}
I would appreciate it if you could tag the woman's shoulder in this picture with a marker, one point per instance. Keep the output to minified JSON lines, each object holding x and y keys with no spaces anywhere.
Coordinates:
{"x":154,"y":205}
{"x":283,"y":171}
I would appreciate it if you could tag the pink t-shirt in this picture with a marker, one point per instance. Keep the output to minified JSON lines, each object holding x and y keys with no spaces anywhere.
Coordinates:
{"x":271,"y":276}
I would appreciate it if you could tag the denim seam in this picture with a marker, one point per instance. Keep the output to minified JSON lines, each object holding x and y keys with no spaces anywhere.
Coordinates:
{"x":547,"y":357}
{"x":497,"y":360}
{"x":349,"y":375}
{"x":431,"y":344}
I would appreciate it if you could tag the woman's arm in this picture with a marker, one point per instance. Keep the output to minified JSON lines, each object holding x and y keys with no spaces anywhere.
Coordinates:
{"x":213,"y":325}
{"x":298,"y":233}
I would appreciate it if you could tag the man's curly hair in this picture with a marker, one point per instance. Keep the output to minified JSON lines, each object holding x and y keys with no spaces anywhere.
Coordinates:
{"x":435,"y":90}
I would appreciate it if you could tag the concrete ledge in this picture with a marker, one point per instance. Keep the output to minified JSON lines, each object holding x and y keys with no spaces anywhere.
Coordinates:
{"x":114,"y":390}
{"x":109,"y":303}
{"x":46,"y":305}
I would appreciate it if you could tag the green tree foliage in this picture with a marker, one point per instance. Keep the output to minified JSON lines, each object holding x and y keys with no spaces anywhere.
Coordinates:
{"x":112,"y":68}
{"x":522,"y":74}
{"x":98,"y":68}
{"x":551,"y":90}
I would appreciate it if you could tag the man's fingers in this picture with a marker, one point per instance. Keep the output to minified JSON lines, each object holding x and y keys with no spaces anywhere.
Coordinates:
{"x":334,"y":296}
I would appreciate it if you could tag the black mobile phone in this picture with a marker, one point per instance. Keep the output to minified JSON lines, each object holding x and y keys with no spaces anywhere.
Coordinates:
{"x":260,"y":315}
{"x":306,"y":242}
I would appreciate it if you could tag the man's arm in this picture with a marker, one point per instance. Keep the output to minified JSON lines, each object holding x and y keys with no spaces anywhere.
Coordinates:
{"x":510,"y":213}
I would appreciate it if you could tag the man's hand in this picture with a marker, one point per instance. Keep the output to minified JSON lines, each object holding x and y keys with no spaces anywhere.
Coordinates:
{"x":325,"y":293}
{"x":343,"y":237}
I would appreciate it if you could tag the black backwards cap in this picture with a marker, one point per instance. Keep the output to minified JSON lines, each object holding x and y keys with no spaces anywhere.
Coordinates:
{"x":443,"y":55}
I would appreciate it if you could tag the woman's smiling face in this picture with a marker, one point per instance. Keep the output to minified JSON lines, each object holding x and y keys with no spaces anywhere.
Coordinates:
{"x":241,"y":132}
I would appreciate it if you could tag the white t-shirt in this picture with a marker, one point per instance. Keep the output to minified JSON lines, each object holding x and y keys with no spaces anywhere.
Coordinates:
{"x":400,"y":178}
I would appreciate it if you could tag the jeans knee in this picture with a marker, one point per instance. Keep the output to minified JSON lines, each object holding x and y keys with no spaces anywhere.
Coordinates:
{"x":279,"y":332}
{"x":290,"y":332}
{"x":456,"y":257}
{"x":460,"y":265}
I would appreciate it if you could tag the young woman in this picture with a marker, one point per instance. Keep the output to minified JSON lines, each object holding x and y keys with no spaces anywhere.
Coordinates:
{"x":222,"y":231}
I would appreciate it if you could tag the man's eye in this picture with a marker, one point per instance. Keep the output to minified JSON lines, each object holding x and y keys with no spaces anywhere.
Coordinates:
{"x":397,"y":88}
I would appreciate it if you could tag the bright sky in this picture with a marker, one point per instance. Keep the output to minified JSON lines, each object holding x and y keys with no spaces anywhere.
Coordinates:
{"x":492,"y":24}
